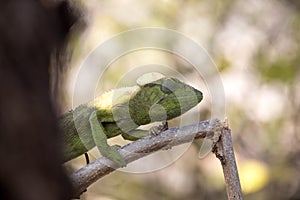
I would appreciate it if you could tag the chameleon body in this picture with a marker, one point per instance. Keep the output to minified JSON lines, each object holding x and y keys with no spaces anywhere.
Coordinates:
{"x":122,"y":111}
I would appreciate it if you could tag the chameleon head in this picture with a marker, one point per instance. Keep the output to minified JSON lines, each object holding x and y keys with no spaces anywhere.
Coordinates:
{"x":162,"y":98}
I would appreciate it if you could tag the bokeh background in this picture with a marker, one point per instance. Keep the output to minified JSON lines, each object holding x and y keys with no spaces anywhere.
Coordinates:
{"x":256,"y":48}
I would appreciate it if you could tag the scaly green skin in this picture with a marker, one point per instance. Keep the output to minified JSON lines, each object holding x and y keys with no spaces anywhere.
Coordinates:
{"x":122,"y":111}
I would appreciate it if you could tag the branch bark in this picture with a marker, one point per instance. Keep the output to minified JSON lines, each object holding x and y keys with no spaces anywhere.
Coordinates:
{"x":224,"y":152}
{"x":87,"y":175}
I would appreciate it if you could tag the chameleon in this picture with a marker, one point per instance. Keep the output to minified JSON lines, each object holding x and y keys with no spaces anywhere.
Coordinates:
{"x":155,"y":98}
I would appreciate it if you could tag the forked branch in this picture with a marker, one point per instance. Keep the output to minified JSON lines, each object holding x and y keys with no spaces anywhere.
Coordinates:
{"x":87,"y":175}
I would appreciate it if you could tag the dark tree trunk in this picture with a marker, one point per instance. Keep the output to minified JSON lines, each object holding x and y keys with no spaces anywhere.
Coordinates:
{"x":30,"y":151}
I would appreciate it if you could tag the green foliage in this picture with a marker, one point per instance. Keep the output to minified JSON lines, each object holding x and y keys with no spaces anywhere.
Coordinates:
{"x":282,"y":69}
{"x":223,"y":64}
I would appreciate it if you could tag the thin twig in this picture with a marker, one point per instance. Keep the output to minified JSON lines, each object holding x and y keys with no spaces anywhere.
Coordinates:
{"x":224,"y":152}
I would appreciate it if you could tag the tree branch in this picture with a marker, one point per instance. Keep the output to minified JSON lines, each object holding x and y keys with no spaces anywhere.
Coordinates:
{"x":224,"y":152}
{"x":87,"y":175}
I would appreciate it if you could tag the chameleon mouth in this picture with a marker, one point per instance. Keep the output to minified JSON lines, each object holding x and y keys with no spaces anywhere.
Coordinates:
{"x":199,"y":95}
{"x":195,"y":95}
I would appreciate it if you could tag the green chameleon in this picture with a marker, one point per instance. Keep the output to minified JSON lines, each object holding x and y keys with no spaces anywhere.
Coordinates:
{"x":122,"y":111}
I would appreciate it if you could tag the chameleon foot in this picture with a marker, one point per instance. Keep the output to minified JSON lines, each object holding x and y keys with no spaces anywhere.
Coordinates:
{"x":156,"y":130}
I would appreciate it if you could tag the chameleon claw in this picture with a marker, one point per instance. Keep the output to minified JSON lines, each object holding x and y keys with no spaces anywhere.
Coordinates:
{"x":156,"y":130}
{"x":164,"y":126}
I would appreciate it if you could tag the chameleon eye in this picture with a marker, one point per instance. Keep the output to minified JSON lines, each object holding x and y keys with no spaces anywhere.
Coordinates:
{"x":165,"y":89}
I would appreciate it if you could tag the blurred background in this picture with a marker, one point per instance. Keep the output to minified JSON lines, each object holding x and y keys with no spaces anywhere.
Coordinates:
{"x":256,"y":48}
